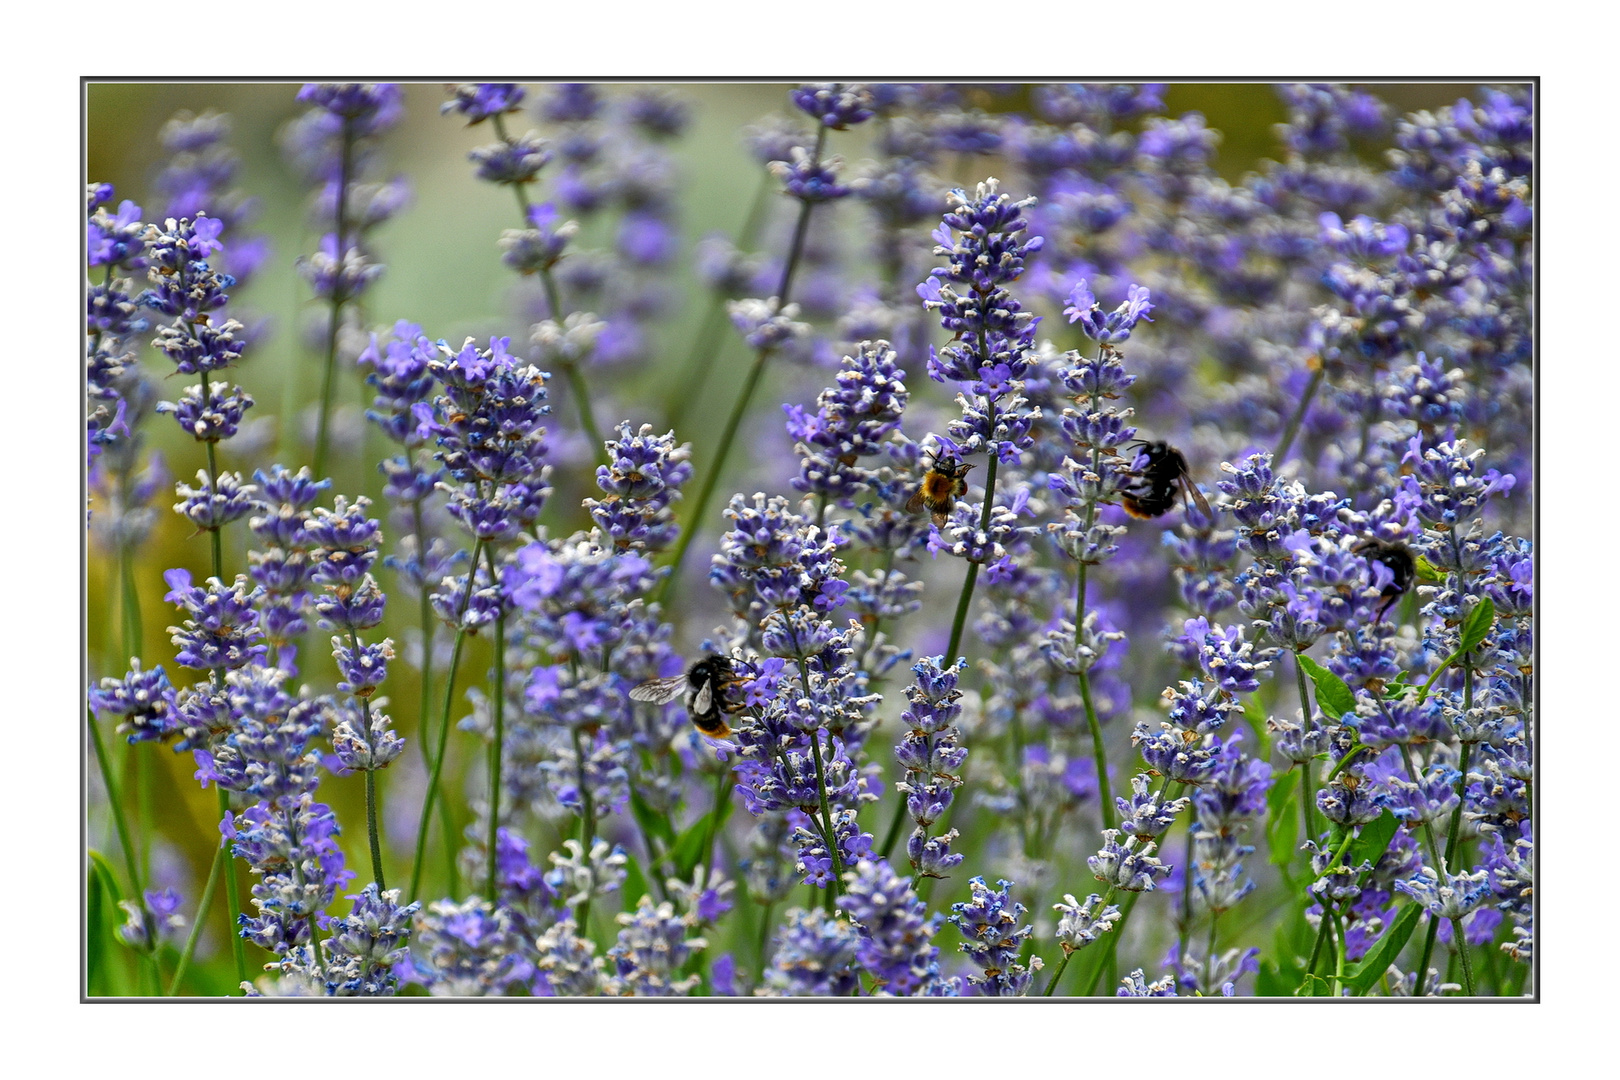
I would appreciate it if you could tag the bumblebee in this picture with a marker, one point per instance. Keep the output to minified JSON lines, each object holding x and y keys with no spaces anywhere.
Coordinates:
{"x":943,"y":483}
{"x":1161,"y":480}
{"x":705,"y":684}
{"x":1398,"y":560}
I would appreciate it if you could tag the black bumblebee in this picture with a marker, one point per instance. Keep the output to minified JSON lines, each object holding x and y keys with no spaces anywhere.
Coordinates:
{"x":943,"y":483}
{"x":705,"y":684}
{"x":1164,"y":476}
{"x":1395,"y":557}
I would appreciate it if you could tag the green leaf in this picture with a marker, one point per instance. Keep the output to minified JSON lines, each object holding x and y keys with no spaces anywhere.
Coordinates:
{"x":1273,"y":981}
{"x":688,"y":849}
{"x":635,"y":883}
{"x":1255,"y":714}
{"x":95,"y":940}
{"x":652,"y":821}
{"x":1400,"y":686}
{"x":1363,"y":975}
{"x":102,"y":915}
{"x":100,"y":865}
{"x":1373,"y":840}
{"x":1476,"y":625}
{"x":1282,"y":823}
{"x":1426,"y":571}
{"x":1333,"y":697}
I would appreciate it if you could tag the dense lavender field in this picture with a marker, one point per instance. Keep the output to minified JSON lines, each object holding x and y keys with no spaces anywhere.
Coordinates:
{"x":829,"y":540}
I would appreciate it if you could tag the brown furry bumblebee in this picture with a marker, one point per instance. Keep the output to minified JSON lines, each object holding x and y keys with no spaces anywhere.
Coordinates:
{"x":705,"y":684}
{"x":943,"y":483}
{"x":1397,"y":559}
{"x":1164,"y":477}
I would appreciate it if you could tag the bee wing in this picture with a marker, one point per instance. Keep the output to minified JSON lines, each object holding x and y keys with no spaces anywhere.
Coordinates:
{"x":659,"y":691}
{"x":1197,"y":497}
{"x":703,"y":700}
{"x":914,"y":505}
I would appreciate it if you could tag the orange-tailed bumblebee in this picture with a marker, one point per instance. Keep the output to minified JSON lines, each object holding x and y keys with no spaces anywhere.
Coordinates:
{"x":1397,"y":559}
{"x":705,"y":684}
{"x":943,"y":483}
{"x":1165,"y":474}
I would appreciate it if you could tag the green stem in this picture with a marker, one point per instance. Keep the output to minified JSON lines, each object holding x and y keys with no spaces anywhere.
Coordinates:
{"x":1338,"y":953}
{"x":1348,"y":756}
{"x":966,"y":597}
{"x":1112,"y":946}
{"x":1453,"y":833}
{"x":132,"y":630}
{"x":121,"y":827}
{"x":371,"y":787}
{"x":1423,"y":694}
{"x":764,"y":944}
{"x":700,"y":358}
{"x":728,"y":434}
{"x":1428,"y":829}
{"x":232,"y":892}
{"x":221,"y":857}
{"x":826,"y":813}
{"x":1298,"y":418}
{"x":1461,"y":944}
{"x":694,"y":372}
{"x":1339,"y":852}
{"x":714,"y":818}
{"x":1098,"y":751}
{"x":233,"y":900}
{"x":1307,"y":784}
{"x":587,"y":827}
{"x":893,"y":832}
{"x":1429,"y":938}
{"x":1105,"y":961}
{"x":498,"y":706}
{"x":295,"y":841}
{"x":1058,"y":974}
{"x":869,"y":638}
{"x":1184,"y":931}
{"x":1015,"y":729}
{"x":444,"y":729}
{"x":1104,"y":791}
{"x":215,"y":542}
{"x":371,"y":827}
{"x":576,"y":381}
{"x":962,"y":602}
{"x":425,"y":616}
{"x":131,"y":607}
{"x":424,"y":726}
{"x":582,"y":397}
{"x":338,"y":297}
{"x":1316,"y":949}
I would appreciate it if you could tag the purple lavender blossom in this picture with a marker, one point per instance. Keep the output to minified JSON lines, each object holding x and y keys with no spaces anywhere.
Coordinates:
{"x":479,"y":101}
{"x":143,"y":700}
{"x":835,"y":105}
{"x":933,"y":760}
{"x":813,"y":955}
{"x":992,"y":937}
{"x":852,"y":420}
{"x":643,"y":477}
{"x":896,"y":947}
